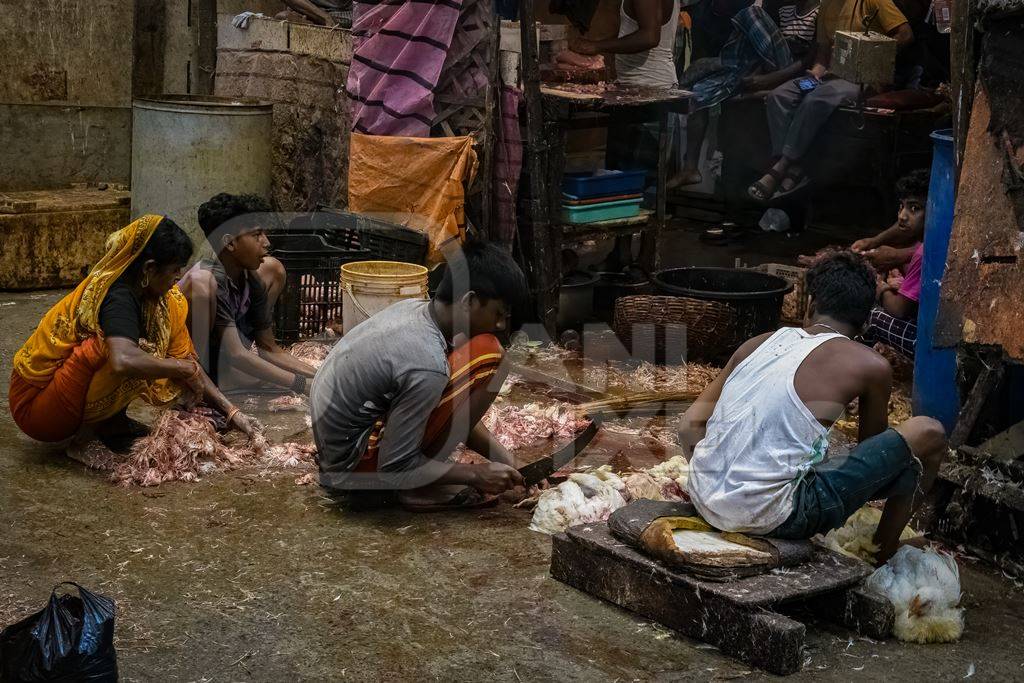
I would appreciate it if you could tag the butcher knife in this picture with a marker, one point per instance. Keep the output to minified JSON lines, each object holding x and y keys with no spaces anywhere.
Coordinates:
{"x":539,"y":470}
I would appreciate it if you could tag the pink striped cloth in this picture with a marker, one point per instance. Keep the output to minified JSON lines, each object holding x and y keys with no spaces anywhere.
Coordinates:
{"x":398,"y":52}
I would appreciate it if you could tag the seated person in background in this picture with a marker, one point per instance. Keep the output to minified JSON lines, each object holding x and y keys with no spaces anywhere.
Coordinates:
{"x":120,"y":335}
{"x":759,"y":55}
{"x":925,"y":64}
{"x":758,"y":436}
{"x":322,"y":12}
{"x":895,"y":246}
{"x":894,"y":320}
{"x":231,"y":299}
{"x":799,"y":108}
{"x":402,"y":389}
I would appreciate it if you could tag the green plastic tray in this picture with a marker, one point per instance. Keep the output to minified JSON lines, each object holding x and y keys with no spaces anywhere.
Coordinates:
{"x":605,"y":211}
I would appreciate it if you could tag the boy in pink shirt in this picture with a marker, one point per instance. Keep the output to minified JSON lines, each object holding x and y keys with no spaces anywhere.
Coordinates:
{"x":894,"y":319}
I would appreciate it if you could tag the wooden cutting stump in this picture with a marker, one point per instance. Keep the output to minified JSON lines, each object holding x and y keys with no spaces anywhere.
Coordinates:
{"x":739,"y":617}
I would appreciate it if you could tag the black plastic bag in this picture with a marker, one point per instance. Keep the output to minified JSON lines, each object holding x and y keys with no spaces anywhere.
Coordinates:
{"x":71,"y":639}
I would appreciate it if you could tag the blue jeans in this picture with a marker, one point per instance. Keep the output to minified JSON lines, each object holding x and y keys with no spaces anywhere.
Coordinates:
{"x":880,"y":467}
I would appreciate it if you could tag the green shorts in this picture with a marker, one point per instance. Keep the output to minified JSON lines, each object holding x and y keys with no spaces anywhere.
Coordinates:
{"x":880,"y":467}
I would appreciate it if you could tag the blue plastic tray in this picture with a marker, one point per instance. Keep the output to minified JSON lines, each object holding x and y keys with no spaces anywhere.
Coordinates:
{"x":587,"y":185}
{"x":605,"y":211}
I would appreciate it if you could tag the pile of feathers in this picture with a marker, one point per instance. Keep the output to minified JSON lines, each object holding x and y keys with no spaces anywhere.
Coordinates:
{"x":856,"y":537}
{"x":185,"y":444}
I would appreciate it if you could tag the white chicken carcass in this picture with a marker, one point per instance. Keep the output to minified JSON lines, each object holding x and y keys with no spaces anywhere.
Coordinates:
{"x":583,"y":498}
{"x":604,"y":492}
{"x":924,"y":588}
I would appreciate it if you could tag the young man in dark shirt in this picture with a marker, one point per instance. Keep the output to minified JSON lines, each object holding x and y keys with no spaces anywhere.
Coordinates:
{"x":231,"y":299}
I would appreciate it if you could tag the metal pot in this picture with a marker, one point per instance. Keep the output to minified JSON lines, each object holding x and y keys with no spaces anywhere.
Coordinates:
{"x":576,"y":299}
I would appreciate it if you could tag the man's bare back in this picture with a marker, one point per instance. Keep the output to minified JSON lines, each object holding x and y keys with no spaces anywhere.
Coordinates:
{"x":835,"y":374}
{"x":744,"y":474}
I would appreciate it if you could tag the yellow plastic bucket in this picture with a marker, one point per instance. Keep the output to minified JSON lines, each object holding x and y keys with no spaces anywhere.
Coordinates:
{"x":368,"y":287}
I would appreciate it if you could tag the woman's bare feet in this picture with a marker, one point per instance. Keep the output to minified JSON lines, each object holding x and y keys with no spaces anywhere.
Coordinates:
{"x":688,"y":176}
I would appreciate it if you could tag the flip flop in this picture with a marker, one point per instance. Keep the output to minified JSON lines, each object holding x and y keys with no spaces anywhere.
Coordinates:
{"x":759,"y":193}
{"x":466,"y":499}
{"x":802,"y":181}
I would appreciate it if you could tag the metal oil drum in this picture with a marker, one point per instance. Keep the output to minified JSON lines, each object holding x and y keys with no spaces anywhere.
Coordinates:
{"x":187,"y":148}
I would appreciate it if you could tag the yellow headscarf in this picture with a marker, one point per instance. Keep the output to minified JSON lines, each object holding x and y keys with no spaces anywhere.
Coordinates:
{"x":75,"y":318}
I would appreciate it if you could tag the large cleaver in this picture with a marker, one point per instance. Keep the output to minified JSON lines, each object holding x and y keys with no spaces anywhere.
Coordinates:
{"x":539,"y":470}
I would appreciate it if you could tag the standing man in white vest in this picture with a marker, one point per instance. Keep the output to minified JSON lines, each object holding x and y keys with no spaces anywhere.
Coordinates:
{"x":645,"y":44}
{"x":643,"y":52}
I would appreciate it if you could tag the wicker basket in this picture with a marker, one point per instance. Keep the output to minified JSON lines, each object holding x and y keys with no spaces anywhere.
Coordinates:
{"x":794,"y":306}
{"x":665,"y":323}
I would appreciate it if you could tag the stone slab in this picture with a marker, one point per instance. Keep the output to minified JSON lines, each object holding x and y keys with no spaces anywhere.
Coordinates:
{"x":334,"y":44}
{"x":260,"y":34}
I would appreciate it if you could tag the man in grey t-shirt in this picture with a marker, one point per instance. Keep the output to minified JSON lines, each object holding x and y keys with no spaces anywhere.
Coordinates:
{"x":393,"y":400}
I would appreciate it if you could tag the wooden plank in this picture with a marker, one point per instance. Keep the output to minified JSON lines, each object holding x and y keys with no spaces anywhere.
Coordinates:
{"x":867,"y":614}
{"x":1006,"y":446}
{"x":555,"y":91}
{"x":986,"y":382}
{"x":537,"y":252}
{"x":827,"y":572}
{"x":205,"y":19}
{"x":762,"y":638}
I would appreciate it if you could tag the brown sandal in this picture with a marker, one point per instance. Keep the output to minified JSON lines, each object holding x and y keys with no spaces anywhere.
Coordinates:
{"x":760,"y":192}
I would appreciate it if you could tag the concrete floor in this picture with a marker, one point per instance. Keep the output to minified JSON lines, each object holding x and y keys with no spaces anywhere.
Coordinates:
{"x":238,"y":577}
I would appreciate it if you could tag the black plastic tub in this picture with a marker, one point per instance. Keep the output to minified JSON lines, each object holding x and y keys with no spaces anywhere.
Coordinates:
{"x":754,"y":298}
{"x":613,"y":285}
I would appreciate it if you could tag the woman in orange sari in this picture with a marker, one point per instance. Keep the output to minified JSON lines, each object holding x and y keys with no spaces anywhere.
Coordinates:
{"x":120,"y":335}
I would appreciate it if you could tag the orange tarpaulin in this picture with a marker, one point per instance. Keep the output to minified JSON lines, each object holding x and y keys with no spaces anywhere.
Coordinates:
{"x":415,"y":182}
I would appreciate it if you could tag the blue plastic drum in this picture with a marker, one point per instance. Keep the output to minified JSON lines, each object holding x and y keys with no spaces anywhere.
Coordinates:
{"x":935,"y":388}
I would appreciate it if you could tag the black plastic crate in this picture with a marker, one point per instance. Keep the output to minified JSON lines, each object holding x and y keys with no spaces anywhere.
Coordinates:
{"x":385,"y":241}
{"x":337,"y":234}
{"x":311,"y":298}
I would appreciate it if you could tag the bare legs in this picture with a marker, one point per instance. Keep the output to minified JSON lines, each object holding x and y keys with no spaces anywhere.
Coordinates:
{"x":696,"y":130}
{"x":927,"y":440}
{"x":272,"y":274}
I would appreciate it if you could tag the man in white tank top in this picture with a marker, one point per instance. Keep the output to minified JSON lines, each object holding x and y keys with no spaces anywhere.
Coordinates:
{"x":758,"y":436}
{"x":645,"y":44}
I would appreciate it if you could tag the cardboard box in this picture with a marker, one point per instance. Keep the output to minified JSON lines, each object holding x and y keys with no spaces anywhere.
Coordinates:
{"x":261,"y":34}
{"x":868,"y":58}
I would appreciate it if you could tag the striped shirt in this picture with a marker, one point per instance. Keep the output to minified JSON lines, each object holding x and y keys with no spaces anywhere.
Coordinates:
{"x":798,"y":29}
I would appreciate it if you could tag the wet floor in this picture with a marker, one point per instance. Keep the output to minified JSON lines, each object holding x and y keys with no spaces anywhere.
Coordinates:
{"x":241,"y":577}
